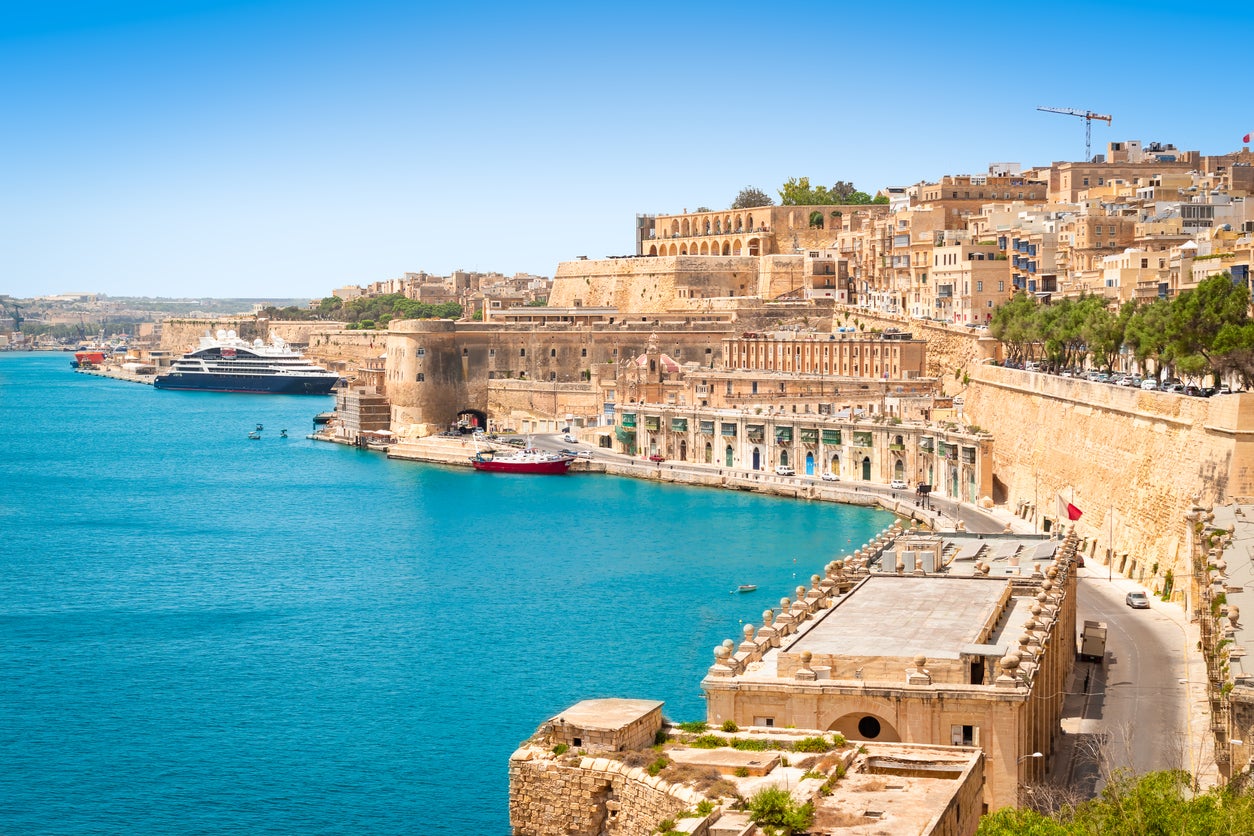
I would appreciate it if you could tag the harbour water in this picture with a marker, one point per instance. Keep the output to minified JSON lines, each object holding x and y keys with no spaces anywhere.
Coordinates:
{"x":202,"y":633}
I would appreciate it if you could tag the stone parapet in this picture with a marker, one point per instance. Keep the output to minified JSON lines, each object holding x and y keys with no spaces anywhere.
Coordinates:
{"x":1130,"y":460}
{"x":572,"y":795}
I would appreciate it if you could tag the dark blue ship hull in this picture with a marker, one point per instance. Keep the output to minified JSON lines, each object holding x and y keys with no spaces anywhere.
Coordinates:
{"x":258,"y":384}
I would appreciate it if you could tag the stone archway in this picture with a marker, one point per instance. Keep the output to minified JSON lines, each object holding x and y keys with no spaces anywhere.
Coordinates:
{"x":866,"y":469}
{"x":757,"y":459}
{"x":683,"y":450}
{"x":709,"y":453}
{"x":809,"y":464}
{"x":730,"y":455}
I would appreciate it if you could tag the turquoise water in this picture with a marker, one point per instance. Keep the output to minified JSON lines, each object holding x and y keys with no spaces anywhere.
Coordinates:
{"x":200,"y":633}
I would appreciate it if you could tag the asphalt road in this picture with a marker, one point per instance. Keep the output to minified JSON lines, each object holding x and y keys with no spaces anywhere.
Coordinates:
{"x":1133,"y":711}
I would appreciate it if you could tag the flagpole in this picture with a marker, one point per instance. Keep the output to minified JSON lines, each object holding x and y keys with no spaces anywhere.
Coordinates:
{"x":1110,"y":564}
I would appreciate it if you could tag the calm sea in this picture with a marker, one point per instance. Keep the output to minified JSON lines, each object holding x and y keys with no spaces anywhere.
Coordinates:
{"x":200,"y":633}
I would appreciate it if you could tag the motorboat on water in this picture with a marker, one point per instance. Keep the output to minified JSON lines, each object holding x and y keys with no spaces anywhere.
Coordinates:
{"x":747,"y":587}
{"x":526,"y":460}
{"x":226,"y":363}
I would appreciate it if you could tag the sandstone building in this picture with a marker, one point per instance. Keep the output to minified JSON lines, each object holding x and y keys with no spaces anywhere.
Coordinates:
{"x":937,"y":639}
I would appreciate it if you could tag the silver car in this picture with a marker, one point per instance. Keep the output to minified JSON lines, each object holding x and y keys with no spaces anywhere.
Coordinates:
{"x":1137,"y":600}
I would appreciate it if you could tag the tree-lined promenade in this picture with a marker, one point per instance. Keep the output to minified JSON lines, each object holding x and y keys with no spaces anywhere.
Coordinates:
{"x":1203,"y":331}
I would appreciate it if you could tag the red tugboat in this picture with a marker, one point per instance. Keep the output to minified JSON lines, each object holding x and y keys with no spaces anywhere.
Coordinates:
{"x":526,"y":460}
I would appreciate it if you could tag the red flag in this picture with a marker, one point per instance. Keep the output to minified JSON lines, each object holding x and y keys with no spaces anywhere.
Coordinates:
{"x":1066,"y":509}
{"x":1245,"y":138}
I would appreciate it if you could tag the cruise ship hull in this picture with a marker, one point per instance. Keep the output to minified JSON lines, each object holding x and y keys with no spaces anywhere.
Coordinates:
{"x":256,"y":384}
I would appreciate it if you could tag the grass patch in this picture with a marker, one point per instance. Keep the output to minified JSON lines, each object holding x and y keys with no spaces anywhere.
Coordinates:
{"x":751,"y":745}
{"x":694,"y":726}
{"x":707,"y":741}
{"x":811,"y":744}
{"x":560,"y":749}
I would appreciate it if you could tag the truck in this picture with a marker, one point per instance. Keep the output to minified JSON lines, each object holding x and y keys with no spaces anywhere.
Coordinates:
{"x":1093,"y":641}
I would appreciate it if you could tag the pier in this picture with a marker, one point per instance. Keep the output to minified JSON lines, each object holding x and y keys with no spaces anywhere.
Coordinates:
{"x":118,"y":374}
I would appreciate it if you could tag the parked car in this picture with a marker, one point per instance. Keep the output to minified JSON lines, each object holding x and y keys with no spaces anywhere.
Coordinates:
{"x":1176,"y":389}
{"x":1137,"y":600}
{"x":570,"y":439}
{"x":784,"y":470}
{"x":898,"y":485}
{"x":828,"y":476}
{"x":1149,"y":385}
{"x":657,"y":457}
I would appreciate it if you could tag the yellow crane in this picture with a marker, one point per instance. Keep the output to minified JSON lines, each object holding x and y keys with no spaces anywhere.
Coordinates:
{"x":1088,"y":116}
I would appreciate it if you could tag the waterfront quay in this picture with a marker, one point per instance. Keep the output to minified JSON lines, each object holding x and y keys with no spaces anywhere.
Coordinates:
{"x":116,"y":373}
{"x":935,"y":512}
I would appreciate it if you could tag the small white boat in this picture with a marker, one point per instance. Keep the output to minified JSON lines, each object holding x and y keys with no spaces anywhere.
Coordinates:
{"x":747,"y":587}
{"x":254,"y":435}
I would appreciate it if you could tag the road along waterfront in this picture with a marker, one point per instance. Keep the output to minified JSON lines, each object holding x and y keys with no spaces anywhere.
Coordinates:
{"x":206,"y":633}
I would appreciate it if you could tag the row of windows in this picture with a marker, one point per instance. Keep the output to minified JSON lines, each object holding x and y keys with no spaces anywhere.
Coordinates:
{"x":522,"y":352}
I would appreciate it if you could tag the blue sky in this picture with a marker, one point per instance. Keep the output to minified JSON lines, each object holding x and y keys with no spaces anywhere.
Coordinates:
{"x":280,"y":148}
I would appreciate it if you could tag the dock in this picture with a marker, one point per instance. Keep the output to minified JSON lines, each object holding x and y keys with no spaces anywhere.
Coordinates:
{"x":118,"y":374}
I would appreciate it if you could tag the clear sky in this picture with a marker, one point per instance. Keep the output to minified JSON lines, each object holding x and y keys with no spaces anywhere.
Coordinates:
{"x":283,"y":148}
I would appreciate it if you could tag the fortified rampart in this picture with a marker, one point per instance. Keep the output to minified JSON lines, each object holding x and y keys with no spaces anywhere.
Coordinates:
{"x":666,"y":283}
{"x":1130,"y":460}
{"x":436,"y":368}
{"x":949,"y":347}
{"x":592,"y":797}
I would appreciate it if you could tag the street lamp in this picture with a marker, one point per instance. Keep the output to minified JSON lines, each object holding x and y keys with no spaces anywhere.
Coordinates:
{"x":1033,"y":755}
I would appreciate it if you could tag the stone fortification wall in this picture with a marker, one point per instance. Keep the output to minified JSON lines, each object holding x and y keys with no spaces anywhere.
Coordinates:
{"x":652,"y":285}
{"x":182,"y":335}
{"x":948,"y":347}
{"x":179,"y":336}
{"x":583,"y":796}
{"x":435,"y":368}
{"x":342,"y":351}
{"x":514,"y":403}
{"x":1142,"y":454}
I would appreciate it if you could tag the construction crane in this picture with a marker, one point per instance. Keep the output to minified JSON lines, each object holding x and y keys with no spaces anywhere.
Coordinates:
{"x":18,"y":319}
{"x":1088,"y":116}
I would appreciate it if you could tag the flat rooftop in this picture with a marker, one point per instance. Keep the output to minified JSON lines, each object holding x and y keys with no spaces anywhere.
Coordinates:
{"x":609,"y":714}
{"x":905,"y":616}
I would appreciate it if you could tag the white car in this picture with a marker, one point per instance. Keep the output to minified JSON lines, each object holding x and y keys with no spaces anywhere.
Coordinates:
{"x":828,"y":476}
{"x":897,"y":485}
{"x":1149,"y":385}
{"x":784,"y":470}
{"x":570,"y":439}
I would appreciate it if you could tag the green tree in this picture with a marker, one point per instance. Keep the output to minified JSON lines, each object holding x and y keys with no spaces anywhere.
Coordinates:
{"x":775,"y":810}
{"x":751,"y":197}
{"x":797,"y":191}
{"x":1020,"y":822}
